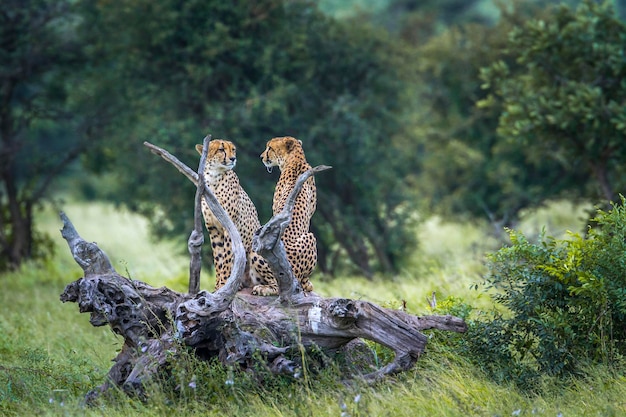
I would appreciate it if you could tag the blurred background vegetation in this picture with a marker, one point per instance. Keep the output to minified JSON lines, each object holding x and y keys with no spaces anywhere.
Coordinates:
{"x":448,"y":124}
{"x":469,"y":109}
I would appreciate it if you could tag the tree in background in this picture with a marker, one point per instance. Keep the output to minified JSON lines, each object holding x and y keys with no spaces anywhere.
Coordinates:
{"x":249,"y":71}
{"x":565,"y":102}
{"x":39,"y":135}
{"x":466,"y":170}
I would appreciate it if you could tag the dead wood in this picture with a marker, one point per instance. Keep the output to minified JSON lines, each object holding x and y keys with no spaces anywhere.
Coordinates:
{"x":237,"y":328}
{"x":196,"y":239}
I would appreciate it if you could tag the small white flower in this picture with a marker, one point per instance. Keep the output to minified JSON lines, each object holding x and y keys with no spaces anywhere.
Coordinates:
{"x":517,"y":412}
{"x":357,"y":398}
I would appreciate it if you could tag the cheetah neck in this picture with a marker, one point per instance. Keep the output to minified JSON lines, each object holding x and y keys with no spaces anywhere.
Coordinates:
{"x":293,"y":167}
{"x":213,"y":177}
{"x":295,"y":164}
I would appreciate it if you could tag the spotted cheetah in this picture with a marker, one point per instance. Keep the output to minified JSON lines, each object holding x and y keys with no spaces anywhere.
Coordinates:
{"x":223,"y":181}
{"x":301,"y":246}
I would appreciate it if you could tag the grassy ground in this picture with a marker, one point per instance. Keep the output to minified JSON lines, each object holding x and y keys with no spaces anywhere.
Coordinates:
{"x":50,"y":356}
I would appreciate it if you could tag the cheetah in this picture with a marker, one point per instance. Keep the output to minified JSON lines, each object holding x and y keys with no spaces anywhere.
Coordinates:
{"x":301,"y":246}
{"x":224,"y":183}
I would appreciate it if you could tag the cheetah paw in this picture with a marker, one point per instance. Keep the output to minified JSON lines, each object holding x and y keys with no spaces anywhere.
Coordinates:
{"x":264,"y":290}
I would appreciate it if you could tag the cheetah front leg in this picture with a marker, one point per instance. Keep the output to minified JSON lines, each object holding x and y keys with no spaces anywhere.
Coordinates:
{"x":262,"y":277}
{"x":222,"y":256}
{"x":302,"y":255}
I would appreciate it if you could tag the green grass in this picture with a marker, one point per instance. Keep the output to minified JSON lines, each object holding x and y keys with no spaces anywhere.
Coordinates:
{"x":50,"y":355}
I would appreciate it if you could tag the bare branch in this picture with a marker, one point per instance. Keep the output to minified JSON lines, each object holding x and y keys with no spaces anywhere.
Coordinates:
{"x":196,"y":239}
{"x":88,"y":255}
{"x":184,"y":169}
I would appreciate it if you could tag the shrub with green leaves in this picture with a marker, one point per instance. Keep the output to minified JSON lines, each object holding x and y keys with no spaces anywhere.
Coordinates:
{"x":565,"y":301}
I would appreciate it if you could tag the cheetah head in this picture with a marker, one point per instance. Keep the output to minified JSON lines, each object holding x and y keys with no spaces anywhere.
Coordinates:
{"x":221,"y":156}
{"x":278,"y":150}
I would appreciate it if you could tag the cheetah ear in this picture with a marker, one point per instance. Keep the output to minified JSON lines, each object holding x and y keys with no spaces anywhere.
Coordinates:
{"x":199,"y":148}
{"x":291,"y":143}
{"x":300,"y":142}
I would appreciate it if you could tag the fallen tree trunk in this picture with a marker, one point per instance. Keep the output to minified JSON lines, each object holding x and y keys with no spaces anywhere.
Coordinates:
{"x":236,"y":327}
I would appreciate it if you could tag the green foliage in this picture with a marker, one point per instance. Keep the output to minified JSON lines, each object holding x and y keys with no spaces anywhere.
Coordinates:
{"x":565,"y":301}
{"x":466,"y":170}
{"x":249,"y":72}
{"x":45,"y":124}
{"x":563,"y":96}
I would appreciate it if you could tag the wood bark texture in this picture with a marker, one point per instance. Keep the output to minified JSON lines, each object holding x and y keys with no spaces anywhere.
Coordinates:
{"x":234,"y":326}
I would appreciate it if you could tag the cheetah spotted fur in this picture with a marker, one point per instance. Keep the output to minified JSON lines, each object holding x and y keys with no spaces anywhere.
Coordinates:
{"x":301,"y":246}
{"x":224,"y":183}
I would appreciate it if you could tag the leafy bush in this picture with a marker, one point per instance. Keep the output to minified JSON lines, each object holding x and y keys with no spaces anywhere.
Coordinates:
{"x":565,"y":302}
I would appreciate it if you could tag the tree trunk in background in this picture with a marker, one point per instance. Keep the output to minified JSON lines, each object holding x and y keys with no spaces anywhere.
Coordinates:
{"x":17,"y":224}
{"x":600,"y":173}
{"x":353,"y":244}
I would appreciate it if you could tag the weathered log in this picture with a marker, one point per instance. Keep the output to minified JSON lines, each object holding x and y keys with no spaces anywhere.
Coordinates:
{"x":133,"y":309}
{"x":234,"y":327}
